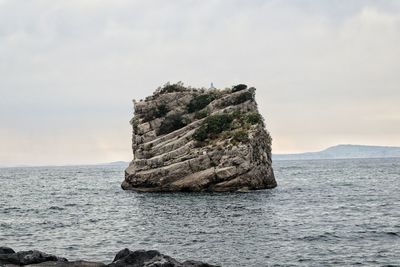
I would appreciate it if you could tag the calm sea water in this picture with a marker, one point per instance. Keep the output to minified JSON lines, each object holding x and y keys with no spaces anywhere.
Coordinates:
{"x":324,"y":213}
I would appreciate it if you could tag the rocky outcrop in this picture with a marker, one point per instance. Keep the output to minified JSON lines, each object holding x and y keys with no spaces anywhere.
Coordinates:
{"x":151,"y":258}
{"x":126,"y":257}
{"x":9,"y":256}
{"x":187,"y":139}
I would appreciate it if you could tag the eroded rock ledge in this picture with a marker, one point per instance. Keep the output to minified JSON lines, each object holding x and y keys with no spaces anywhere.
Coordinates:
{"x":187,"y":139}
{"x":126,"y":257}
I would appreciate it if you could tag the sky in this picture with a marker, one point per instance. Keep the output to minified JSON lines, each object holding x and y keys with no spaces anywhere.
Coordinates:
{"x":326,"y":72}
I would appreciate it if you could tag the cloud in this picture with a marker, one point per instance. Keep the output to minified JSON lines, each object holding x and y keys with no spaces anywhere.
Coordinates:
{"x":326,"y":71}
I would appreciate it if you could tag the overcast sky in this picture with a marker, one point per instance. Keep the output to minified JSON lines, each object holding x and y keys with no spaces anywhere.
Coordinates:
{"x":326,"y":72}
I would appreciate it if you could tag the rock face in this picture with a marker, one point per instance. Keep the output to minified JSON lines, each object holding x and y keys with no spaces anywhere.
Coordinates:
{"x":124,"y":258}
{"x":197,"y":140}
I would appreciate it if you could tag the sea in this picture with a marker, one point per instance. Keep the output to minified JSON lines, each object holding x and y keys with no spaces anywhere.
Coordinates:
{"x":323,"y":213}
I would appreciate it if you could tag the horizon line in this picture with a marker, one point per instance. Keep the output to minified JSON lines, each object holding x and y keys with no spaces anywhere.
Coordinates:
{"x":127,"y":162}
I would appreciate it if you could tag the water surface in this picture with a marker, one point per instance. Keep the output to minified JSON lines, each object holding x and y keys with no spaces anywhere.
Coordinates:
{"x":323,"y":213}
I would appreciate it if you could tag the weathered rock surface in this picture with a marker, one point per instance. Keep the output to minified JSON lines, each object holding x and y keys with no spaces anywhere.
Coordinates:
{"x":199,"y":140}
{"x":151,"y":258}
{"x":6,"y":250}
{"x":8,"y":256}
{"x":125,"y":257}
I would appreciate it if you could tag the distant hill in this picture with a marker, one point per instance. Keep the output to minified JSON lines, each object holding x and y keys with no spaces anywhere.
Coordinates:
{"x":344,"y":152}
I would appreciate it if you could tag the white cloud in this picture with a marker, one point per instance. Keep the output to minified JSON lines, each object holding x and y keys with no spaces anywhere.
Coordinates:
{"x":323,"y":69}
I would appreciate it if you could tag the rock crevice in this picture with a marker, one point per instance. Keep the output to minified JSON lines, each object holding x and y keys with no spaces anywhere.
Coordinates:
{"x":187,"y":139}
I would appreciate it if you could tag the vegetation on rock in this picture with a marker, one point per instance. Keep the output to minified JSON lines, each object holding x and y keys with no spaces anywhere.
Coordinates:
{"x":154,"y":113}
{"x":213,"y":126}
{"x":254,"y":118}
{"x":240,"y":136}
{"x":172,"y":123}
{"x":201,"y":114}
{"x":170,"y":88}
{"x":201,"y":134}
{"x":245,"y":96}
{"x":239,"y":87}
{"x":216,"y":124}
{"x":219,"y":123}
{"x":200,"y":102}
{"x":135,"y":124}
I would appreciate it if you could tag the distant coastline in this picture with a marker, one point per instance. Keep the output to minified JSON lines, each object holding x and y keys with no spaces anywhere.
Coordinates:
{"x":344,"y":152}
{"x":334,"y":152}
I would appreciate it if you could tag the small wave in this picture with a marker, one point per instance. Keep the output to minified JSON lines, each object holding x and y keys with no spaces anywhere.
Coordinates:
{"x":304,"y":260}
{"x":380,"y":233}
{"x":70,"y":205}
{"x":291,"y":168}
{"x":9,"y":209}
{"x":5,"y":225}
{"x":392,"y":233}
{"x":56,"y":208}
{"x":321,"y":237}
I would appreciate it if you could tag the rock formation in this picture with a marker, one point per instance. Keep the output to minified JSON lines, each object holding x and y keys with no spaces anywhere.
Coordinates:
{"x":10,"y":257}
{"x":187,"y":139}
{"x":124,"y":258}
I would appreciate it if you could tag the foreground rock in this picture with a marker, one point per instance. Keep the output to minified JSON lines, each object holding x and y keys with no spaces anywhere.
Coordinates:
{"x":151,"y":258}
{"x":199,"y":140}
{"x":126,"y":257}
{"x":9,"y":256}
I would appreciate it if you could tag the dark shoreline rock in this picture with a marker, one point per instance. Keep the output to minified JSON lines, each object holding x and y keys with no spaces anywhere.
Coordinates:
{"x":125,"y":257}
{"x":26,"y":257}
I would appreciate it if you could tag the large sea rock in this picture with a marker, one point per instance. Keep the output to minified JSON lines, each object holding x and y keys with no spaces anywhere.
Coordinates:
{"x":196,"y":140}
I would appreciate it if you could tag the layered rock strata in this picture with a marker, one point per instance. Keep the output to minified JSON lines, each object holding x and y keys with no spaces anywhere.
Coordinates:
{"x":187,"y":139}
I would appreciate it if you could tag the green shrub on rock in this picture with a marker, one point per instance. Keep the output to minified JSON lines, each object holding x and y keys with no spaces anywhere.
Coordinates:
{"x":254,"y":118}
{"x":218,"y":123}
{"x":200,"y":102}
{"x":172,"y":123}
{"x":239,"y":87}
{"x":170,"y":88}
{"x":240,"y":136}
{"x":201,"y":114}
{"x":244,"y":97}
{"x":135,"y":124}
{"x":201,"y":134}
{"x":162,"y":110}
{"x":213,"y":126}
{"x":157,"y":112}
